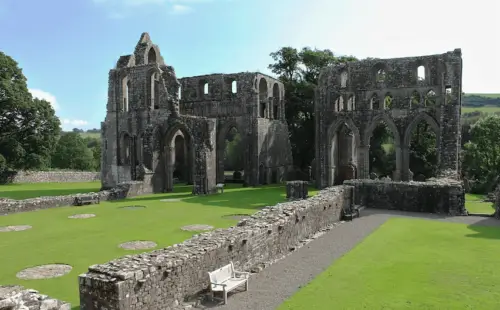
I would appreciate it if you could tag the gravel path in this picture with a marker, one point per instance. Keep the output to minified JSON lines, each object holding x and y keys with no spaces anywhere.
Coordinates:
{"x":273,"y":285}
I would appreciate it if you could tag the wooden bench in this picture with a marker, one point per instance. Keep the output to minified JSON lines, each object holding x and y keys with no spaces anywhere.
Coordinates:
{"x":89,"y":199}
{"x":226,"y":279}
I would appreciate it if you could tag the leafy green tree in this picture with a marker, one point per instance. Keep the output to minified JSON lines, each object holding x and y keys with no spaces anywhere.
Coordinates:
{"x":482,"y":154}
{"x":29,"y":127}
{"x":423,"y":151}
{"x":72,"y":153}
{"x":299,"y":71}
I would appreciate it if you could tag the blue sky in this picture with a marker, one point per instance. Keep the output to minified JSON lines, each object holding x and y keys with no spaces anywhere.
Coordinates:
{"x":66,"y":47}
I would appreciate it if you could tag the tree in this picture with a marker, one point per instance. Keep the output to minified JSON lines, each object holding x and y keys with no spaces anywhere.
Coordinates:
{"x":29,"y":127}
{"x":72,"y":153}
{"x":482,"y":154}
{"x":299,"y":72}
{"x":423,"y":151}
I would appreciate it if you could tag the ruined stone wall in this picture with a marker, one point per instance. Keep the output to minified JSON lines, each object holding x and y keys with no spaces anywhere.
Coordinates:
{"x":143,"y":119}
{"x":252,"y":103}
{"x":55,"y":176}
{"x":442,"y":196}
{"x":19,"y":298}
{"x":363,"y":94}
{"x":163,"y":278}
{"x":122,"y":191}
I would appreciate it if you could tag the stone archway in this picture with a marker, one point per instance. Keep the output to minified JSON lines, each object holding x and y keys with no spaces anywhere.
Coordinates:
{"x":342,"y":151}
{"x":222,"y":135}
{"x":389,"y":122}
{"x":407,"y":175}
{"x":169,"y":139}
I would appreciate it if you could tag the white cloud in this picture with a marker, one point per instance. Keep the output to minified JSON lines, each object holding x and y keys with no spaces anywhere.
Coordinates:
{"x":43,"y":95}
{"x":394,"y":28}
{"x":178,"y":9}
{"x":68,"y":124}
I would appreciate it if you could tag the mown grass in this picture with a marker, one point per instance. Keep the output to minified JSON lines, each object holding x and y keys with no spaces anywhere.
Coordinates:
{"x":411,"y":264}
{"x":474,"y":204}
{"x":485,"y":95}
{"x":55,"y":238}
{"x":32,"y":190}
{"x":94,"y":135}
{"x":485,"y":109}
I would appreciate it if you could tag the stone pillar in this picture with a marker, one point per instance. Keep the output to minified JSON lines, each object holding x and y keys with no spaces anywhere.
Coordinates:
{"x":396,"y":174}
{"x":169,"y":168}
{"x":405,"y":163}
{"x":296,"y":190}
{"x":364,"y":162}
{"x":220,"y":163}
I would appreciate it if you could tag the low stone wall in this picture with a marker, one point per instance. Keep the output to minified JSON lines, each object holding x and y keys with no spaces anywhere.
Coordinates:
{"x":443,"y":196}
{"x":54,"y":177}
{"x":122,"y":191}
{"x":162,"y":279}
{"x":19,"y":298}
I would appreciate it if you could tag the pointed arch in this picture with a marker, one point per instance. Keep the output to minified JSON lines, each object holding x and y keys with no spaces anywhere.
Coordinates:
{"x":427,"y":118}
{"x":389,"y":122}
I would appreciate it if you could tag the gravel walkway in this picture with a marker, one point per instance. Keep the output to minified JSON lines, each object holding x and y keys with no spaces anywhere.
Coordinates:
{"x":273,"y":285}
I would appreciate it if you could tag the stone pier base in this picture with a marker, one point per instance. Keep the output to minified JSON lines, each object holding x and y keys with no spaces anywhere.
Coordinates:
{"x":296,"y":190}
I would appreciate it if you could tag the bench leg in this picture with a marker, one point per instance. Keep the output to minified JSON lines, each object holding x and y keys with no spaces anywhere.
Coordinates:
{"x":225,"y":297}
{"x":246,"y":285}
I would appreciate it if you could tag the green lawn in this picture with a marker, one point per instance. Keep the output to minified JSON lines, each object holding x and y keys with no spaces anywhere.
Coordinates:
{"x":486,"y":109}
{"x":94,"y":135}
{"x":31,"y":190}
{"x":474,"y":204}
{"x":485,"y":95}
{"x":411,"y":264}
{"x":83,"y":242}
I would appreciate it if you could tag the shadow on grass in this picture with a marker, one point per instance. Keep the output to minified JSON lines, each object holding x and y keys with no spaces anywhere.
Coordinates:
{"x":26,"y":194}
{"x":487,"y":228}
{"x":234,"y":196}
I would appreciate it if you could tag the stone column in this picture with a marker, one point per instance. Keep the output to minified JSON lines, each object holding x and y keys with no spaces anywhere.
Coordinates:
{"x":396,"y":174}
{"x":364,"y":162}
{"x":405,"y":163}
{"x":169,"y":168}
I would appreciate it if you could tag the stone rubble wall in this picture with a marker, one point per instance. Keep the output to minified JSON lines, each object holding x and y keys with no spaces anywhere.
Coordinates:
{"x":55,"y":176}
{"x":20,"y":298}
{"x":162,"y":279}
{"x":443,"y":196}
{"x":122,"y":191}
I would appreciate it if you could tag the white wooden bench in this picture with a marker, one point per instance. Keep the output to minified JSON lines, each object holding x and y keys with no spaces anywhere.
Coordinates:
{"x":220,"y":187}
{"x":226,"y":279}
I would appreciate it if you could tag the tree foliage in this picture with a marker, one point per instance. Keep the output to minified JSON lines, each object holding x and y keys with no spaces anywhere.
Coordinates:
{"x":482,"y":153}
{"x":29,"y":127}
{"x":423,"y":151}
{"x":299,"y":71}
{"x":73,"y":153}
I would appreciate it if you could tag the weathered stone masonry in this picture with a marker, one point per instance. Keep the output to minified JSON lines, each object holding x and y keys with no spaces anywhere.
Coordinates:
{"x":163,"y":278}
{"x":54,"y":176}
{"x":353,"y":98}
{"x":442,"y":196}
{"x":149,"y":109}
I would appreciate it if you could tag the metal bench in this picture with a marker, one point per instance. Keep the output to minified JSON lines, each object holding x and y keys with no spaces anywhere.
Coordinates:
{"x":226,"y":279}
{"x":88,"y":199}
{"x":349,"y":213}
{"x":220,"y":187}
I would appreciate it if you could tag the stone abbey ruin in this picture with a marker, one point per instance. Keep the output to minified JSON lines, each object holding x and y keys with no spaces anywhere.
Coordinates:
{"x":158,"y":126}
{"x":156,"y":123}
{"x":353,"y":98}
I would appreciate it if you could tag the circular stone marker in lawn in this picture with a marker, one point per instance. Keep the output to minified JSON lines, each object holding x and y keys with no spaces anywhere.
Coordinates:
{"x":238,"y":217}
{"x":132,"y":207}
{"x":14,"y":228}
{"x":81,"y":216}
{"x":170,"y":200}
{"x":138,"y":245}
{"x":44,"y":272}
{"x":197,"y":227}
